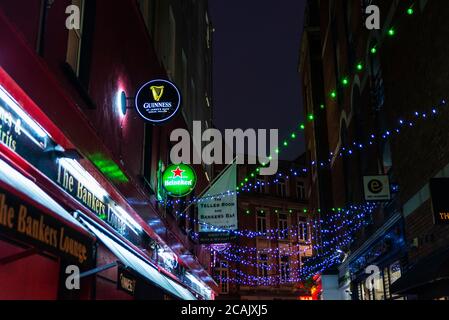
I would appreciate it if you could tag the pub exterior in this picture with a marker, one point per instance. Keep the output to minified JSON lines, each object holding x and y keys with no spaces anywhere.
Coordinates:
{"x":79,"y":168}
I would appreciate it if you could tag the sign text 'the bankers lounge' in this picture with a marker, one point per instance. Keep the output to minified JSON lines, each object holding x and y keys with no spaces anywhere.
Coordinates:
{"x":80,"y":192}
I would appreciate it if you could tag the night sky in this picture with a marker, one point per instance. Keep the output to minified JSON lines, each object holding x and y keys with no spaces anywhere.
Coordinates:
{"x":256,"y":56}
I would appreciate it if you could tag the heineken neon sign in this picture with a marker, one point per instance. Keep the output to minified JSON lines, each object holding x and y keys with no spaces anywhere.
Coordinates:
{"x":179,"y":180}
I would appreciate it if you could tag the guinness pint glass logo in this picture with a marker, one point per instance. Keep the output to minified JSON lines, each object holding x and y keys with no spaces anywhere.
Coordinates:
{"x":158,"y":101}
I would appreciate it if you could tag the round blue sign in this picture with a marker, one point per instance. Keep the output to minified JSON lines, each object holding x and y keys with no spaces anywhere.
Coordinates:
{"x":158,"y":101}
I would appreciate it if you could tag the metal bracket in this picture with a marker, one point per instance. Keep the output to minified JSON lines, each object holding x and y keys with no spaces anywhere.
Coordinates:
{"x":98,"y":269}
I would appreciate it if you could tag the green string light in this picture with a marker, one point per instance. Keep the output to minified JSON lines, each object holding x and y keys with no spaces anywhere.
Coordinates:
{"x":391,"y":32}
{"x":333,"y":94}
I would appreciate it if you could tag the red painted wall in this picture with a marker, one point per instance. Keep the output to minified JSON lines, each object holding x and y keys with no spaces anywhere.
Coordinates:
{"x":20,"y":282}
{"x":106,"y":281}
{"x":123,"y":58}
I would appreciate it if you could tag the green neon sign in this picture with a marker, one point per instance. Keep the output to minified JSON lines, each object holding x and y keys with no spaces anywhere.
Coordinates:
{"x":179,"y":180}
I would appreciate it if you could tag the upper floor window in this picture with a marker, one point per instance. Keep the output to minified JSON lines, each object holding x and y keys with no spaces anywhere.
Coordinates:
{"x":284,"y":269}
{"x":261,"y":221}
{"x":260,"y":185}
{"x":222,"y":275}
{"x":303,"y":231}
{"x":208,"y":32}
{"x":148,"y":9}
{"x":262,"y":266}
{"x":283,"y":226}
{"x":170,"y":53}
{"x":73,"y":56}
{"x":282,"y":187}
{"x":301,"y":190}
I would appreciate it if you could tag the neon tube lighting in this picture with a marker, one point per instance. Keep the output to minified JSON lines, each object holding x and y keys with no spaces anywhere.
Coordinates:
{"x":22,"y":114}
{"x":130,"y":222}
{"x":83,"y":177}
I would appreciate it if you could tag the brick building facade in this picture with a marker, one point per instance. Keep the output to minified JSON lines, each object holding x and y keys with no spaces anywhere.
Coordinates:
{"x":372,"y":82}
{"x":269,"y":265}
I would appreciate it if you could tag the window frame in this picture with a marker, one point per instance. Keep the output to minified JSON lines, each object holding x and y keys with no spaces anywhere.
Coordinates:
{"x":261,"y":220}
{"x":284,"y":269}
{"x":301,"y":185}
{"x":303,"y":230}
{"x":281,"y":188}
{"x":261,"y":187}
{"x":262,"y":265}
{"x":81,"y":4}
{"x":283,"y":224}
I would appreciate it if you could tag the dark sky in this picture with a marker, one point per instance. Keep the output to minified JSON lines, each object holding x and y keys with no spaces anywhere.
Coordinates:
{"x":256,"y":55}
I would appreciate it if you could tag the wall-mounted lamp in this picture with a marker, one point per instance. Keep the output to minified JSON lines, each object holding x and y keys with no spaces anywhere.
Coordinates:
{"x":123,"y":102}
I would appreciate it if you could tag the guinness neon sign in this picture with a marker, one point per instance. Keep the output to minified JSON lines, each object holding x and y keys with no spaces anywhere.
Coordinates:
{"x":158,"y":101}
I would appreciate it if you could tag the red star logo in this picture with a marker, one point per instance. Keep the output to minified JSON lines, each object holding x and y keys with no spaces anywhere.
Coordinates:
{"x":177,"y":173}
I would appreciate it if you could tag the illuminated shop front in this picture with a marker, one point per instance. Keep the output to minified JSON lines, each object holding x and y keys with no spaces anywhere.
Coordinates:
{"x":373,"y":272}
{"x":55,"y":214}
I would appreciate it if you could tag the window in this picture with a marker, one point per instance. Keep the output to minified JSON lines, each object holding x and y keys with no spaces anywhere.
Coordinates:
{"x":74,"y":43}
{"x":281,"y":188}
{"x":185,"y":90}
{"x":148,"y":9}
{"x":303,"y":231}
{"x":379,"y":293}
{"x":283,"y":226}
{"x":170,"y":54}
{"x":222,"y":275}
{"x":262,"y":266}
{"x":386,"y":283}
{"x":224,"y":284}
{"x":360,"y":292}
{"x":284,"y":268}
{"x":147,"y":156}
{"x":208,"y":32}
{"x":261,"y":221}
{"x":260,"y":185}
{"x":79,"y":48}
{"x":300,"y":190}
{"x":395,"y":272}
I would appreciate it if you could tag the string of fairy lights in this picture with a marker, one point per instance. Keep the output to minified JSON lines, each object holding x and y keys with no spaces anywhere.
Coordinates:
{"x":279,"y":233}
{"x":352,"y":222}
{"x":346,"y":151}
{"x":329,"y":258}
{"x":312,"y":268}
{"x":345,"y":222}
